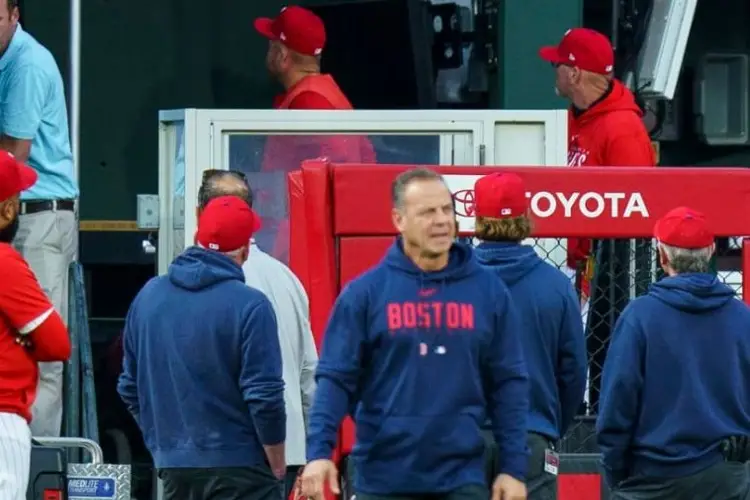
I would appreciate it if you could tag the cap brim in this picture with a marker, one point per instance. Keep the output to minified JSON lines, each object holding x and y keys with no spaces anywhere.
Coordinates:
{"x":257,"y":222}
{"x":263,"y":26}
{"x":27,"y":175}
{"x":550,"y":54}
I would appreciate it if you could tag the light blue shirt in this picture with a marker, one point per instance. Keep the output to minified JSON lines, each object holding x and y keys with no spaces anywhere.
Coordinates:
{"x":32,"y":107}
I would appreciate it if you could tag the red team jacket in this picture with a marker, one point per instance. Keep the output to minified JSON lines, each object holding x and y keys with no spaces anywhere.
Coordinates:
{"x":25,"y":309}
{"x":608,"y":134}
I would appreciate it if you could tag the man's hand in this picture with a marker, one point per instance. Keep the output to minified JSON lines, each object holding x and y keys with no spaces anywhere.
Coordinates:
{"x":315,"y":476}
{"x":276,"y":459}
{"x":508,"y":488}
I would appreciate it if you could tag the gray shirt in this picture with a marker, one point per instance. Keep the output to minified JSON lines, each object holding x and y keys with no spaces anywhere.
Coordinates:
{"x":298,"y":352}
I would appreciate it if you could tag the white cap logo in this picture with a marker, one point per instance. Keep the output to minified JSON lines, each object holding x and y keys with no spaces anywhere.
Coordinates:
{"x":505,"y":211}
{"x":213,"y":246}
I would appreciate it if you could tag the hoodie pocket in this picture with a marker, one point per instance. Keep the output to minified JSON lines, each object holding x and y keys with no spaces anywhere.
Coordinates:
{"x":419,"y":444}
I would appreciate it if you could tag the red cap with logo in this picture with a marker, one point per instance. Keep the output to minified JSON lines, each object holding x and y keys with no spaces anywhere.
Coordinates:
{"x":500,"y":195}
{"x":583,"y":48}
{"x":684,"y":228}
{"x":15,"y":177}
{"x":226,"y":224}
{"x":297,"y":28}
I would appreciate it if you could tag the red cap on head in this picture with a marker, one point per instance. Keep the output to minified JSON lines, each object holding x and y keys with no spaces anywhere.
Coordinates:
{"x":297,"y":28}
{"x":14,"y":176}
{"x":684,"y":228}
{"x":500,"y":195}
{"x":226,"y":224}
{"x":583,"y":48}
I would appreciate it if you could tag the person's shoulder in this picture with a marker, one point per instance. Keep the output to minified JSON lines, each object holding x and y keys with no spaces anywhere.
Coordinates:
{"x":554,"y":277}
{"x":309,"y":99}
{"x":33,"y":56}
{"x":366,"y":283}
{"x":12,"y":263}
{"x":155,"y":285}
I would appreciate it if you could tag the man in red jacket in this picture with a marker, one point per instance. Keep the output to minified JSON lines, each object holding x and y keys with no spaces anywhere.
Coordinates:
{"x":30,"y":331}
{"x":297,"y":38}
{"x":605,"y":129}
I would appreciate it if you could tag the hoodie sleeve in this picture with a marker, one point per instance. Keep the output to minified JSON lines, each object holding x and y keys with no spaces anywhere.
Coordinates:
{"x":571,"y":367}
{"x":338,"y":372}
{"x":126,"y":384}
{"x":507,"y":387}
{"x":261,"y":370}
{"x":619,"y":402}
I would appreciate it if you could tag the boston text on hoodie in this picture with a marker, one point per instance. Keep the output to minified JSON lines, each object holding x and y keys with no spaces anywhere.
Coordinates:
{"x":202,"y":366}
{"x":419,"y":358}
{"x":676,"y":380}
{"x":553,"y":339}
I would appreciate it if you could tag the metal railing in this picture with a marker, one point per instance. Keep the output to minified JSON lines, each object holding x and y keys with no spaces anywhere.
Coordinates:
{"x":79,"y":401}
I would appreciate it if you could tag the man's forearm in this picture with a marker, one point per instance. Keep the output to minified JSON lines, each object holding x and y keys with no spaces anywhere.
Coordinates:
{"x":329,"y":409}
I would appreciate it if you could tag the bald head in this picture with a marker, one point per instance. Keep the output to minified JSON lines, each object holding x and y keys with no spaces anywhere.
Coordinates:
{"x":226,"y":183}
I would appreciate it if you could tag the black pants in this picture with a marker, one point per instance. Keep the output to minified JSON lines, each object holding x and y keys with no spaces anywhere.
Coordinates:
{"x":291,"y":479}
{"x":540,"y":485}
{"x":724,"y":481}
{"x":220,"y":483}
{"x":470,"y":492}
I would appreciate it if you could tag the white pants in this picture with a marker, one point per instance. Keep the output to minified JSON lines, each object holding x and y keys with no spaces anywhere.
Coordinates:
{"x":47,"y":240}
{"x":15,"y":457}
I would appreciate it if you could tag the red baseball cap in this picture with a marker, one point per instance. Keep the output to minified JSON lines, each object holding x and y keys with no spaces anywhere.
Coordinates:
{"x":226,"y":224}
{"x":583,"y":48}
{"x":500,"y":195}
{"x":684,"y":228}
{"x":14,"y":176}
{"x":297,"y":28}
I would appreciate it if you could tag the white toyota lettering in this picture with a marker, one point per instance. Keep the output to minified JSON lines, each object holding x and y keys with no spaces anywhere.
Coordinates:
{"x":590,"y":204}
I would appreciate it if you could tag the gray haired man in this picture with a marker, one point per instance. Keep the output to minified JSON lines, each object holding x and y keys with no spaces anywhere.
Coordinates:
{"x":674,"y":416}
{"x":290,"y":303}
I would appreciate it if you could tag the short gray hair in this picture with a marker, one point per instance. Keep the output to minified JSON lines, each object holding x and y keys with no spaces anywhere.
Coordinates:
{"x":211,"y":187}
{"x":689,"y":260}
{"x":404,"y":179}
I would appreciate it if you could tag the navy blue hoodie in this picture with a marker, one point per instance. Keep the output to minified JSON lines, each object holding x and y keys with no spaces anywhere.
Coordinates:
{"x":202,"y":366}
{"x":419,"y":359}
{"x":676,"y":380}
{"x":553,"y":339}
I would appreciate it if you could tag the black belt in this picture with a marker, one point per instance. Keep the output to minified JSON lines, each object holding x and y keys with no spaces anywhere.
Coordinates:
{"x":36,"y":206}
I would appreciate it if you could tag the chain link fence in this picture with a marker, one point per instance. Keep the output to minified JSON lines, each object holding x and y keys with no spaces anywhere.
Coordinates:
{"x":618,"y":271}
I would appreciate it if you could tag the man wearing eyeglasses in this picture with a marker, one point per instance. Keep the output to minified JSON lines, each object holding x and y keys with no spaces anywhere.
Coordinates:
{"x":605,"y":129}
{"x":290,"y":303}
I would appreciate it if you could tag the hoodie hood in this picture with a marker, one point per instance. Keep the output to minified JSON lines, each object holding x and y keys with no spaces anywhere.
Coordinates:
{"x":511,"y":261}
{"x":692,"y":292}
{"x":197,"y":268}
{"x":618,"y":99}
{"x":461,"y":263}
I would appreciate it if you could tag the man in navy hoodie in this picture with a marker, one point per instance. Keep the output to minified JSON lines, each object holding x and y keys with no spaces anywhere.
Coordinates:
{"x":675,"y":400}
{"x":202,"y":372}
{"x":553,"y":339}
{"x":419,"y":349}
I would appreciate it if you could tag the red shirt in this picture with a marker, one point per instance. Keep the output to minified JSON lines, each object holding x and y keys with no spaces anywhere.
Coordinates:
{"x":609,"y":134}
{"x":23,"y":309}
{"x":305,"y":100}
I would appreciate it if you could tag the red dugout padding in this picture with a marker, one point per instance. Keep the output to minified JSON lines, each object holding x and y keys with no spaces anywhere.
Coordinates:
{"x":347,"y":225}
{"x":297,"y":232}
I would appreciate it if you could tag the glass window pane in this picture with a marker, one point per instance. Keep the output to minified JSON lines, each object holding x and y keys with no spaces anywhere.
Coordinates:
{"x":178,"y":191}
{"x":266,"y":160}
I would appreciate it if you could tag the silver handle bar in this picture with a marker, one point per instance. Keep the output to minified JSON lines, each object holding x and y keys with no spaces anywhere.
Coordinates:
{"x":97,"y":456}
